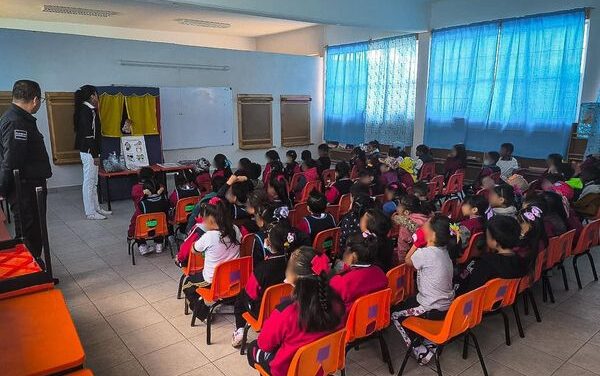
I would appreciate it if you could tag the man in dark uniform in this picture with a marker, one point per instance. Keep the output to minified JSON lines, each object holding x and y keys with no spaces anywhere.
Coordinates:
{"x":22,"y":147}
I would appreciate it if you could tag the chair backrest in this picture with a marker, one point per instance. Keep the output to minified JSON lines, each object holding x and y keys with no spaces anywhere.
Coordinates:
{"x":272,"y":297}
{"x":334,"y":210}
{"x":401,"y":282}
{"x":230,"y":278}
{"x":586,"y":238}
{"x":471,"y":251}
{"x":483,"y":192}
{"x":455,"y":183}
{"x":439,"y":182}
{"x":309,"y":187}
{"x":596,"y":231}
{"x":369,"y":314}
{"x":151,"y":225}
{"x":345,"y":202}
{"x":449,"y":207}
{"x":328,"y":242}
{"x":539,"y":266}
{"x":300,"y":211}
{"x":195,"y":262}
{"x":354,"y":172}
{"x":324,"y":356}
{"x":247,"y":245}
{"x":465,"y":312}
{"x":294,"y":181}
{"x":432,"y":190}
{"x":500,"y":293}
{"x":205,"y":187}
{"x":427,"y":171}
{"x":184,"y":208}
{"x":328,"y":175}
{"x":559,"y":248}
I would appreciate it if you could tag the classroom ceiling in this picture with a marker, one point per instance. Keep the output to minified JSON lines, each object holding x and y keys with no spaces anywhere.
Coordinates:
{"x":147,"y":15}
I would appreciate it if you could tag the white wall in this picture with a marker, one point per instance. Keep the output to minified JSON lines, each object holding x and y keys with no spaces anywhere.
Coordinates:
{"x":306,"y":41}
{"x":64,"y":62}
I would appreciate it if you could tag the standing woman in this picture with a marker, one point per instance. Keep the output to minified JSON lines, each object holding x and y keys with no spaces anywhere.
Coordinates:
{"x":87,"y":140}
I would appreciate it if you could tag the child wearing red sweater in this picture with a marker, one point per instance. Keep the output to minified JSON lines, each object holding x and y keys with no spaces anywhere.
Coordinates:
{"x":342,"y":183}
{"x":203,"y":180}
{"x":360,"y":276}
{"x":314,"y":311}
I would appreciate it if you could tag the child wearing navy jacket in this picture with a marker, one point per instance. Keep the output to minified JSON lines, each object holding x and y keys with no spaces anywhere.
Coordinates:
{"x":318,"y":220}
{"x":360,"y":275}
{"x":342,"y":183}
{"x":291,"y":166}
{"x":314,"y":311}
{"x":184,"y":187}
{"x":271,"y":271}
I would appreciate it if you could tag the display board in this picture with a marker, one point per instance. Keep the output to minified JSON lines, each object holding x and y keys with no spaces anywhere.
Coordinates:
{"x":195,"y":117}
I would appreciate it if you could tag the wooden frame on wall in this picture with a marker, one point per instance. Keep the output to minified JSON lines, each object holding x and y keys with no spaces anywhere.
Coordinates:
{"x":255,"y":121}
{"x":5,"y":101}
{"x":61,"y":108}
{"x":295,"y":120}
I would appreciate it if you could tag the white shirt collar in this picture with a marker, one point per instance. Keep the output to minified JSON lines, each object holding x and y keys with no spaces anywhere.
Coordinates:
{"x":89,"y":105}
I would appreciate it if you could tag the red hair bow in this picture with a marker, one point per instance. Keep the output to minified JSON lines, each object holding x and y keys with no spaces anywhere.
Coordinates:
{"x":214,"y":200}
{"x":320,"y":264}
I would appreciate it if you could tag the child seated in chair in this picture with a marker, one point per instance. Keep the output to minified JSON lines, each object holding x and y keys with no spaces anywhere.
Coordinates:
{"x":202,"y":170}
{"x":280,"y":239}
{"x":184,"y":187}
{"x":342,"y":183}
{"x":318,"y":220}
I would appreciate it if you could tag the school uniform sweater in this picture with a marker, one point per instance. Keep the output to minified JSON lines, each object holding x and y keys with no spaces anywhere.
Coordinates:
{"x":291,"y":169}
{"x":324,"y":163}
{"x":488,"y":267}
{"x":203,"y":179}
{"x":266,"y":274}
{"x":388,"y":178}
{"x":339,"y":188}
{"x":358,"y":281}
{"x":313,"y":224}
{"x":182,"y":192}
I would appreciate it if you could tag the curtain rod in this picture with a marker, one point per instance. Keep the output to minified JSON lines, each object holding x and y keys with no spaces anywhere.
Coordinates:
{"x":585,"y":10}
{"x":370,"y":40}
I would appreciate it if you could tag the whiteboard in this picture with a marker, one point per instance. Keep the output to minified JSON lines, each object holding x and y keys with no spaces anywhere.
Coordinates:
{"x":195,"y":117}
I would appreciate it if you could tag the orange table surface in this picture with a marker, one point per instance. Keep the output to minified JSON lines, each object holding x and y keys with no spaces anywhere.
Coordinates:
{"x":37,"y":335}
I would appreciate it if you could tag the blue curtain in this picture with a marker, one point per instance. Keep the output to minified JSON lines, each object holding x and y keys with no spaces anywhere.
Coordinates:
{"x":370,"y":91}
{"x":527,"y":95}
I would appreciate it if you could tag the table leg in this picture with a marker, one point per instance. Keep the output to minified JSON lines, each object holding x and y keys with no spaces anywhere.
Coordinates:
{"x":108,"y":194}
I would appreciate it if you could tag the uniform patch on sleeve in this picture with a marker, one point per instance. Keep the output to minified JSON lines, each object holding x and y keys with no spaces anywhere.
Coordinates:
{"x":20,"y":135}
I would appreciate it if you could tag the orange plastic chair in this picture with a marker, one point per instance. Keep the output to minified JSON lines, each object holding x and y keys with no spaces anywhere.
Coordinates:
{"x":273,"y":296}
{"x":450,"y":207}
{"x":294,"y":181}
{"x":436,"y":186}
{"x":559,"y":248}
{"x":195,"y":265}
{"x":432,"y":190}
{"x":328,"y":175}
{"x":324,"y":356}
{"x":334,"y":210}
{"x":455,"y":184}
{"x":247,"y":245}
{"x":401,"y":280}
{"x":148,"y":226}
{"x":499,"y":294}
{"x":528,"y":281}
{"x":368,"y":317}
{"x":328,"y":242}
{"x":587,"y":239}
{"x":465,"y":313}
{"x":471,"y":251}
{"x":81,"y":372}
{"x":300,"y":211}
{"x":345,"y":203}
{"x":309,"y":187}
{"x":229,"y":279}
{"x":427,"y":171}
{"x":183,"y":209}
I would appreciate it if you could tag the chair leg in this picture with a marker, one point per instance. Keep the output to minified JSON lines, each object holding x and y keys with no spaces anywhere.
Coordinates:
{"x":518,"y":320}
{"x":209,"y":320}
{"x":465,"y":353}
{"x":180,"y":287}
{"x":485,"y":372}
{"x":536,"y":312}
{"x":133,"y":253}
{"x":194,"y":314}
{"x":186,"y":310}
{"x":564,"y":276}
{"x":525,"y":305}
{"x":506,"y":327}
{"x":437,"y":359}
{"x":591,"y":258}
{"x":385,"y":352}
{"x":576,"y":269}
{"x":406,"y":356}
{"x":550,"y":291}
{"x":544,"y":289}
{"x":244,"y":339}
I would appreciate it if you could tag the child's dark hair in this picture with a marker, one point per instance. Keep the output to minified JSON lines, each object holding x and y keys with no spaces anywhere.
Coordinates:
{"x":323,"y":147}
{"x":364,"y":245}
{"x":421,"y":188}
{"x":394,"y":152}
{"x":292,"y":154}
{"x":360,"y":154}
{"x":494,"y":156}
{"x":343,"y":170}
{"x":272,"y":155}
{"x":461,"y":153}
{"x":365,"y":172}
{"x":240,"y":190}
{"x":537,"y":231}
{"x":184,"y":177}
{"x":217,"y":182}
{"x":554,"y":205}
{"x":317,"y":202}
{"x":255,"y":170}
{"x":422,"y":150}
{"x":377,"y":222}
{"x":412,"y":204}
{"x":145,"y":173}
{"x":374,"y":144}
{"x":321,"y":308}
{"x":507,"y":192}
{"x":281,"y":236}
{"x":505,"y":230}
{"x":219,"y":210}
{"x":553,"y":178}
{"x":508,"y":146}
{"x":245,"y":164}
{"x":221,"y":162}
{"x":310,"y":163}
{"x":361,"y":202}
{"x":440,"y":224}
{"x":279,"y":184}
{"x":479,"y":202}
{"x":397,"y":189}
{"x":257,"y":198}
{"x":306,"y":155}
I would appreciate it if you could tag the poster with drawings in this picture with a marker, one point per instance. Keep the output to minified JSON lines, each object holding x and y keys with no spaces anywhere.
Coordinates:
{"x":133,"y":149}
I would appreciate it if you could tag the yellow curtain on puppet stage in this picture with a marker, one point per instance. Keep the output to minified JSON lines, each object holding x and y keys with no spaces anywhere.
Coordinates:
{"x":141,"y":110}
{"x":111,"y":114}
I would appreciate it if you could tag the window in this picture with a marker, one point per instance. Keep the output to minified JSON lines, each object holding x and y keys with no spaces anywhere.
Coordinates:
{"x":254,"y":121}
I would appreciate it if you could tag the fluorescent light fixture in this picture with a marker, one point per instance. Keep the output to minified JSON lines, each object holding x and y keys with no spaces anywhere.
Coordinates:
{"x":203,"y":23}
{"x":78,"y":11}
{"x":157,"y":64}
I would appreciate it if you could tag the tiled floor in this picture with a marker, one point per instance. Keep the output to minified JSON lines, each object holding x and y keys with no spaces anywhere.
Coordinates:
{"x":131,"y":323}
